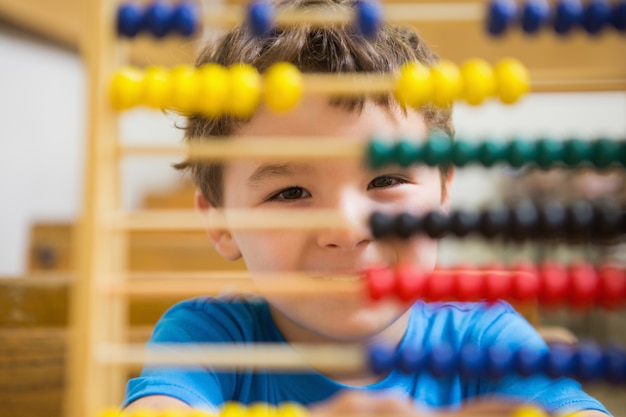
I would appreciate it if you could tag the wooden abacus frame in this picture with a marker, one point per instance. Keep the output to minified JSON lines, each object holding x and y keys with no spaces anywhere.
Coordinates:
{"x":98,"y":319}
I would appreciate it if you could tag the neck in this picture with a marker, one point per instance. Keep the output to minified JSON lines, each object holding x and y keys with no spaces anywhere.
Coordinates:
{"x":390,"y":335}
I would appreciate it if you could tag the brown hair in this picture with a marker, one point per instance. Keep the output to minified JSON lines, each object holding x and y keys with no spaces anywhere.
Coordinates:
{"x":338,"y":49}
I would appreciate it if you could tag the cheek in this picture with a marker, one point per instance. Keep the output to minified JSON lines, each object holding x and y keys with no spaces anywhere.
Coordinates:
{"x":270,"y":250}
{"x":418,"y":251}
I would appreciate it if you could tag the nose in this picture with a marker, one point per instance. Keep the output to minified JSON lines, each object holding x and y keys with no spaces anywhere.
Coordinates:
{"x":356,"y":234}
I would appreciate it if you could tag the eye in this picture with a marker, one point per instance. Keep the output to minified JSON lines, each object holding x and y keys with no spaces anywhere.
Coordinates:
{"x":385,"y":181}
{"x":290,"y":194}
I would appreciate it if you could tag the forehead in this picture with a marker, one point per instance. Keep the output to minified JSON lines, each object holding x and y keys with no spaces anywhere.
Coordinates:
{"x":317,"y":117}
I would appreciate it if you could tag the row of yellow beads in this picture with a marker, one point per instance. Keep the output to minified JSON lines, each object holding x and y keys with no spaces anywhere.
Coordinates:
{"x":231,"y":409}
{"x":267,"y":410}
{"x":213,"y":90}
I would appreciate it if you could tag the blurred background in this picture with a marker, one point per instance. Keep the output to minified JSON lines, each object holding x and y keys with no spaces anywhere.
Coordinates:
{"x":43,"y":126}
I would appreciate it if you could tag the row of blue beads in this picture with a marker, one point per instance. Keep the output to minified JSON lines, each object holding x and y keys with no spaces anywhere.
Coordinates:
{"x":586,"y":362}
{"x":158,"y":18}
{"x":563,"y":17}
{"x":368,"y":16}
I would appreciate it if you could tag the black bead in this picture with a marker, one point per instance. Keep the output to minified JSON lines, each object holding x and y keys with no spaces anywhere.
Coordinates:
{"x":463,"y":223}
{"x":407,"y":225}
{"x":494,"y":222}
{"x":608,"y":222}
{"x":580,"y":219}
{"x":435,"y":224}
{"x":552,"y":220}
{"x":524,"y":219}
{"x":381,"y":224}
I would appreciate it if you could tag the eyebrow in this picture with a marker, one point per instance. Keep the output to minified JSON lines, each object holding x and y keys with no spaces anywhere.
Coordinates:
{"x":269,"y":171}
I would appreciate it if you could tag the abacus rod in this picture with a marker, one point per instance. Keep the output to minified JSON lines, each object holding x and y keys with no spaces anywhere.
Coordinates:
{"x":237,"y":219}
{"x":318,"y":17}
{"x":228,"y":356}
{"x":255,"y":147}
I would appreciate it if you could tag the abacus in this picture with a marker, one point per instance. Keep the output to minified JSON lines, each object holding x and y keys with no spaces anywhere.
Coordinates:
{"x":98,"y":354}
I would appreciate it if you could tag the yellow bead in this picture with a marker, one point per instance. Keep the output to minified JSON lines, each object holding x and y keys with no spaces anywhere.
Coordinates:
{"x":292,"y":410}
{"x":478,"y":81}
{"x":200,"y":413}
{"x":447,"y":86}
{"x":529,"y":411}
{"x":233,"y":409}
{"x":183,"y":89}
{"x":512,"y":80}
{"x":156,"y":87}
{"x":110,"y":412}
{"x":261,"y":410}
{"x":172,"y":412}
{"x":245,"y":91}
{"x":141,"y":412}
{"x":126,"y":88}
{"x":282,"y":87}
{"x":414,"y":86}
{"x":214,"y":86}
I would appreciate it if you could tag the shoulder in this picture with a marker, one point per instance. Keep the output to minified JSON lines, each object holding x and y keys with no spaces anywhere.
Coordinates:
{"x":208,"y":319}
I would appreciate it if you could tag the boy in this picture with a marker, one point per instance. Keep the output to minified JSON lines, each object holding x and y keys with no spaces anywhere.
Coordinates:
{"x":354,"y":191}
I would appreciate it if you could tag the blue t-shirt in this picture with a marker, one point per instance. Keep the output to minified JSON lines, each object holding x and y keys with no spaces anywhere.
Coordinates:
{"x":215,"y":320}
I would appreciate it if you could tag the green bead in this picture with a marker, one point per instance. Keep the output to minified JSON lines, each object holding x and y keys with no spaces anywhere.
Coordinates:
{"x":407,"y":153}
{"x":379,"y":153}
{"x":622,"y":153}
{"x":549,"y":153}
{"x":520,"y":152}
{"x":464,"y":152}
{"x":491,"y":152}
{"x":576,"y":152}
{"x":604,"y":152}
{"x":437,"y":149}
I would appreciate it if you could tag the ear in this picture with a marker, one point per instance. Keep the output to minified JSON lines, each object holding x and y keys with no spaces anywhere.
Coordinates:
{"x":222,"y":240}
{"x":446,"y":183}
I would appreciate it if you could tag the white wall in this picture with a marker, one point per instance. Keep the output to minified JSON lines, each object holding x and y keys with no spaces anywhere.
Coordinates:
{"x":42,"y":127}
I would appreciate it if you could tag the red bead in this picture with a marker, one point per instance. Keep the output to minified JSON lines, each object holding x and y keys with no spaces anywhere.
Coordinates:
{"x":441,"y":286}
{"x":526,"y":284}
{"x":612,"y":292}
{"x":584,"y":284}
{"x":499,"y":286}
{"x":381,"y":283}
{"x":470,"y":284}
{"x":555,"y":284}
{"x":411,"y":283}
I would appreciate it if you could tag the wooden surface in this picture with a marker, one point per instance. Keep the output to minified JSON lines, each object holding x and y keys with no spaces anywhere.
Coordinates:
{"x":598,"y":60}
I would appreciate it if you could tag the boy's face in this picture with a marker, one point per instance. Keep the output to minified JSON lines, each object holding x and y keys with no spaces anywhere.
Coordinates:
{"x":347,"y":186}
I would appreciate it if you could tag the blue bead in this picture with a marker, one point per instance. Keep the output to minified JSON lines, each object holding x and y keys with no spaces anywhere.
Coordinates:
{"x":186,"y":18}
{"x":500,"y":15}
{"x":590,"y":362}
{"x":501,"y":362}
{"x":615,"y":365}
{"x":535,"y":14}
{"x":561,"y":362}
{"x":472,"y":362}
{"x":260,"y":18}
{"x":530,"y":361}
{"x":597,"y":16}
{"x":381,"y":359}
{"x":443,"y":361}
{"x":129,"y":19}
{"x":567,"y":15}
{"x":368,"y":17}
{"x":412,"y":360}
{"x":618,"y":19}
{"x":159,"y":19}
